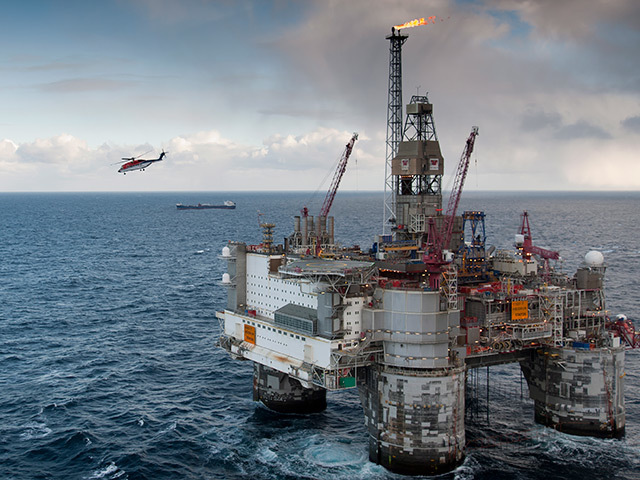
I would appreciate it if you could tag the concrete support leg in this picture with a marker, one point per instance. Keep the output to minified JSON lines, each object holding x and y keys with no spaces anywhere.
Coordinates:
{"x":281,"y":393}
{"x":415,"y":418}
{"x":578,"y":391}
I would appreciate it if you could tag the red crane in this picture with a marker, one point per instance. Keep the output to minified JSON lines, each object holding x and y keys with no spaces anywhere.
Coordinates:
{"x":528,"y":248}
{"x":626,"y":331}
{"x":527,"y":245}
{"x":456,"y":190}
{"x":342,"y":166}
{"x":437,"y":240}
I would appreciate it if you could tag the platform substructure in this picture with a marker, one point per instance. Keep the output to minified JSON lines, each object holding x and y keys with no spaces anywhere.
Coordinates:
{"x":415,"y":418}
{"x":578,"y":391}
{"x":283,"y":394}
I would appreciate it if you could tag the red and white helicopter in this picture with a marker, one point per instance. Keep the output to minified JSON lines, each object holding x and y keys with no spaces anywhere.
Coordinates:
{"x":137,"y":163}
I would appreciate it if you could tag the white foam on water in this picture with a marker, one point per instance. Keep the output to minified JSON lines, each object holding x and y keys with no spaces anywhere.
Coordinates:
{"x":168,"y":429}
{"x":34,"y":430}
{"x":266,"y":455}
{"x":329,"y":454}
{"x":108,"y":470}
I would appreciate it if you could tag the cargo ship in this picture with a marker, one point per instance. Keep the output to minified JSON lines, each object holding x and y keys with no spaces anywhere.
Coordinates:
{"x":228,"y":205}
{"x":405,"y":321}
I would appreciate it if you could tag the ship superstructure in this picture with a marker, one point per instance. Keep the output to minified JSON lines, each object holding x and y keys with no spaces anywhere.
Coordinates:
{"x":405,"y":321}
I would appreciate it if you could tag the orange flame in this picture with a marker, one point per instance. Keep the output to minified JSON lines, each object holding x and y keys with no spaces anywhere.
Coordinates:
{"x":416,"y":23}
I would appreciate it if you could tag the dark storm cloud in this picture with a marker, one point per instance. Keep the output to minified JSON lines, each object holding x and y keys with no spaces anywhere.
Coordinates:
{"x":581,"y":130}
{"x":539,"y":120}
{"x":632,"y":124}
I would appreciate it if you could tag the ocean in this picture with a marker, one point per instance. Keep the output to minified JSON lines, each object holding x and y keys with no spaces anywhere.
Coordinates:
{"x":108,"y":363}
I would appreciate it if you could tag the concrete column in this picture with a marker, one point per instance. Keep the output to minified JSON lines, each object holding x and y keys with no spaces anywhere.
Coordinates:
{"x":578,"y":391}
{"x":281,"y":393}
{"x":415,"y":419}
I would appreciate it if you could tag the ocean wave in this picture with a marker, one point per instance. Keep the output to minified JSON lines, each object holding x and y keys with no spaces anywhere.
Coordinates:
{"x":111,"y":471}
{"x":109,"y":369}
{"x":34,"y":430}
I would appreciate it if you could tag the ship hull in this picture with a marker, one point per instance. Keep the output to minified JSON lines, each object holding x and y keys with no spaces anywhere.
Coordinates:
{"x":205,"y":207}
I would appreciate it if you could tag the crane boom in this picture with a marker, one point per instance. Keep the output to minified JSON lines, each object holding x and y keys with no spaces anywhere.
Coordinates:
{"x":456,"y":191}
{"x":437,"y":240}
{"x":342,"y":166}
{"x":529,"y":247}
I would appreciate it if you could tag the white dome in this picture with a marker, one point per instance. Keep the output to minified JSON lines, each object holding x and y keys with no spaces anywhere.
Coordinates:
{"x":226,"y":252}
{"x":226,"y":278}
{"x":594,"y":258}
{"x":519,"y":239}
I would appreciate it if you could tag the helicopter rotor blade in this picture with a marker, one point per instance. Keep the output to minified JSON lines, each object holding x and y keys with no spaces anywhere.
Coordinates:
{"x":124,"y":160}
{"x":142,"y":154}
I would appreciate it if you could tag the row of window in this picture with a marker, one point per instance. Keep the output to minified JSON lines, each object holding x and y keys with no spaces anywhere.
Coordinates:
{"x":299,"y":294}
{"x":292,"y":335}
{"x":262,"y":277}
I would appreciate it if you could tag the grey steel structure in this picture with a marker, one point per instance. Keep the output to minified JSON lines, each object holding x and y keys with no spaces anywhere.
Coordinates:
{"x":394,"y":124}
{"x":378,"y":322}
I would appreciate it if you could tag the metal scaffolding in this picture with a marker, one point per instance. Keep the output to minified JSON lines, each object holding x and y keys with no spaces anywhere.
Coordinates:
{"x":394,"y":125}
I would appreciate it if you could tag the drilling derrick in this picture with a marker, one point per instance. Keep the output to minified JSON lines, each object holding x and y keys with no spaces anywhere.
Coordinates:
{"x":418,"y":167}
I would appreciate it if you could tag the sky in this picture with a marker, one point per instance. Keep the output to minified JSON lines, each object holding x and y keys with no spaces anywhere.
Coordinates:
{"x":264,"y":95}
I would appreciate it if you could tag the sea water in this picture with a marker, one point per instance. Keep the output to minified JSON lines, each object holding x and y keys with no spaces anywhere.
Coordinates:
{"x":108,"y":364}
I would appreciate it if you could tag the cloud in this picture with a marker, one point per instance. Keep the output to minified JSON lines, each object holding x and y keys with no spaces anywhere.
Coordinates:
{"x":63,"y":150}
{"x":573,"y":20}
{"x":76,"y":85}
{"x":203,"y":160}
{"x":581,"y":130}
{"x":318,"y":149}
{"x":542,"y":79}
{"x":7,"y":149}
{"x":632,"y":124}
{"x":539,"y":120}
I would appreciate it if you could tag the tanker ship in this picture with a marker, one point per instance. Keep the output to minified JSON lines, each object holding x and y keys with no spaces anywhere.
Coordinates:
{"x":405,"y":321}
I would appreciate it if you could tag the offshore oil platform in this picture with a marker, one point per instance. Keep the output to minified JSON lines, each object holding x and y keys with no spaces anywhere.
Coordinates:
{"x":406,"y":321}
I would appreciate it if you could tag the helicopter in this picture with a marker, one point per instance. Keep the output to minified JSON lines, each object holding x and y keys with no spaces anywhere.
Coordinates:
{"x":137,"y":163}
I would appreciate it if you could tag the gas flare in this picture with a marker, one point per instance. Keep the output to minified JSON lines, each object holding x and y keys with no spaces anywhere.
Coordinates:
{"x":416,"y":23}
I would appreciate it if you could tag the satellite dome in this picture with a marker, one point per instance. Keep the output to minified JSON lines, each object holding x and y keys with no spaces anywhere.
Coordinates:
{"x":594,"y":259}
{"x":519,"y":239}
{"x":226,"y":252}
{"x":226,"y":278}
